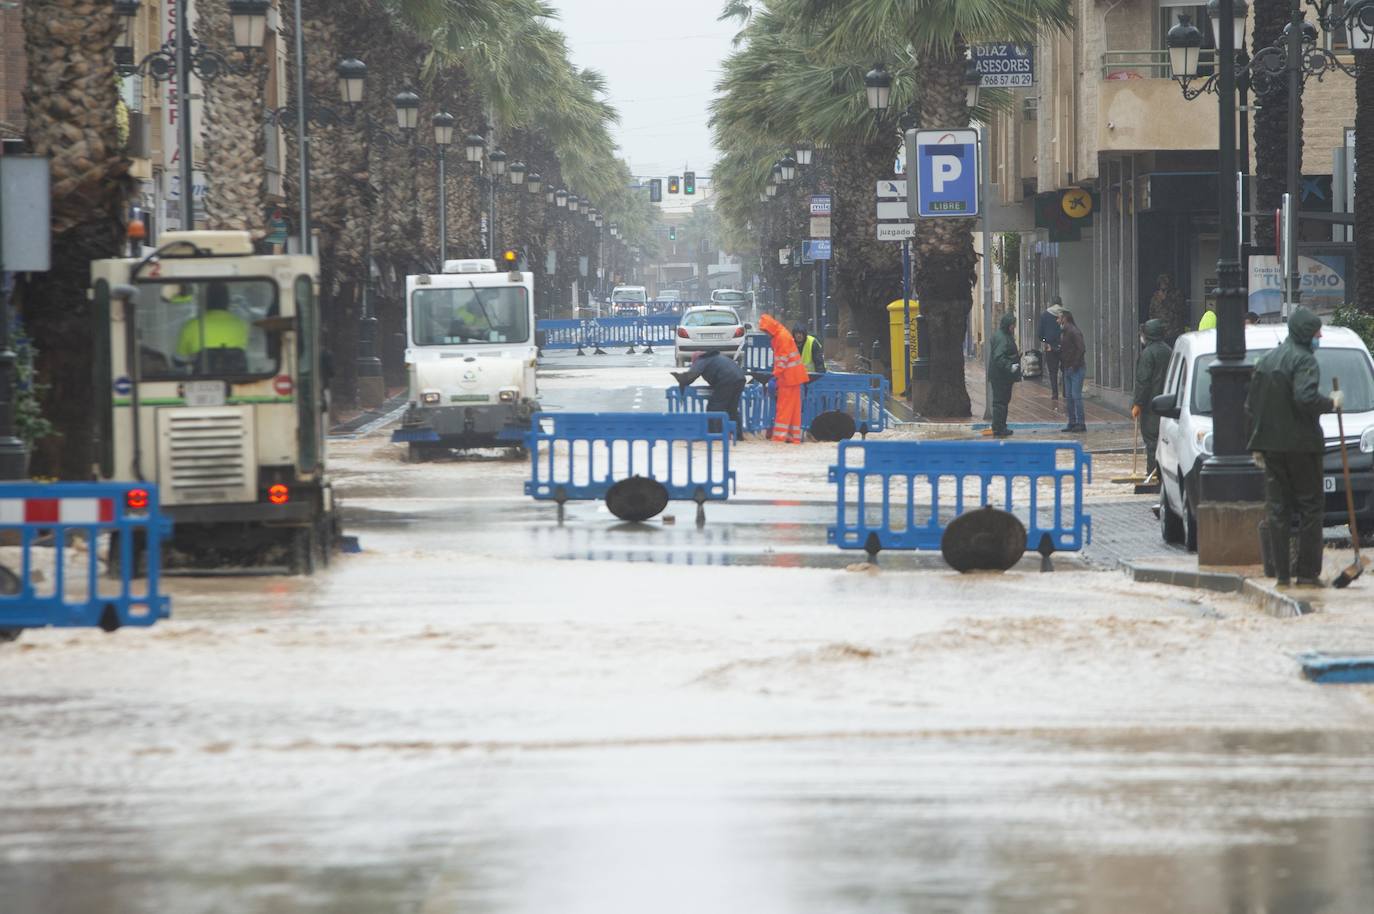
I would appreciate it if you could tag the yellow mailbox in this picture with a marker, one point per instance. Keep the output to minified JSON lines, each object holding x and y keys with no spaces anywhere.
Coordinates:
{"x":894,"y":321}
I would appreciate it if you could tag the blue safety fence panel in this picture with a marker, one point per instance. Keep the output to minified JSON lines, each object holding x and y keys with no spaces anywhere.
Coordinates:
{"x":562,"y":334}
{"x":660,"y":329}
{"x":757,"y":353}
{"x":907,"y":492}
{"x":756,"y":406}
{"x":613,"y":331}
{"x":861,"y":395}
{"x":581,"y":455}
{"x":61,"y":528}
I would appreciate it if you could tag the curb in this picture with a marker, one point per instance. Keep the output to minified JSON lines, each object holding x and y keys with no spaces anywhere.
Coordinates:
{"x":1267,"y":598}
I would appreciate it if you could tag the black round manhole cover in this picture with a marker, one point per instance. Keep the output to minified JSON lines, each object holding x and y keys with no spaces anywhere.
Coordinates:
{"x":984,"y":540}
{"x":637,"y":498}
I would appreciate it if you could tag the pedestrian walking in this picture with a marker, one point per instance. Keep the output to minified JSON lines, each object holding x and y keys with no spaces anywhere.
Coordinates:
{"x":1073,"y":360}
{"x":726,"y":378}
{"x":812,"y":356}
{"x":1284,"y":407}
{"x":789,"y":376}
{"x":1049,"y":333}
{"x":1151,"y":368}
{"x":1004,"y":370}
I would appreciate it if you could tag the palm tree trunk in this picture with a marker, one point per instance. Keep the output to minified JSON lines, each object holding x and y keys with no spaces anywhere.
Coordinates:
{"x":234,"y":140}
{"x":1364,"y":190}
{"x":944,"y":261}
{"x":1271,"y":127}
{"x":70,"y":101}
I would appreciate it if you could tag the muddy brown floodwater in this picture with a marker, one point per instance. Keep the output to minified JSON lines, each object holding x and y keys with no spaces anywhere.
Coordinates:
{"x":482,"y":713}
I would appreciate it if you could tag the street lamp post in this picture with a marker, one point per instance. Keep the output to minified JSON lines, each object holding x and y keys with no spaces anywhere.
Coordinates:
{"x":443,"y":124}
{"x":1231,"y":496}
{"x":497,"y":162}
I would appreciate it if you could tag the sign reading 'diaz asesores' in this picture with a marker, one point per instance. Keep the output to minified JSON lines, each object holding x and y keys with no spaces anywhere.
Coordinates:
{"x":1005,"y":65}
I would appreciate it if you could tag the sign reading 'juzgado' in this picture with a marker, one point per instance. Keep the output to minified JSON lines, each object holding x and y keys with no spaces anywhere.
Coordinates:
{"x":1005,"y":65}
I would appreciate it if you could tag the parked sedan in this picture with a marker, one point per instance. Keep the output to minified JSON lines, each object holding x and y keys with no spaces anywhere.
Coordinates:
{"x":708,"y":327}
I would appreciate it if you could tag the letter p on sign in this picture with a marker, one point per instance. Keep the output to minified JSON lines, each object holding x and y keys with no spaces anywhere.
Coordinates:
{"x":944,"y":170}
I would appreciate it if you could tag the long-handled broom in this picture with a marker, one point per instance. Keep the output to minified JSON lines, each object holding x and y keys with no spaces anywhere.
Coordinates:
{"x":1143,"y":484}
{"x":1356,"y":569}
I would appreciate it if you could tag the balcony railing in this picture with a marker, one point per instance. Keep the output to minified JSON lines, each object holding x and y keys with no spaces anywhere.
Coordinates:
{"x":1147,"y":64}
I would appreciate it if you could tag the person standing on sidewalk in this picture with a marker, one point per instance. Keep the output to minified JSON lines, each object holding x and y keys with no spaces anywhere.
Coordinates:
{"x":1284,"y":407}
{"x":1049,"y":333}
{"x":1005,"y":371}
{"x":1150,"y":371}
{"x":1073,"y":353}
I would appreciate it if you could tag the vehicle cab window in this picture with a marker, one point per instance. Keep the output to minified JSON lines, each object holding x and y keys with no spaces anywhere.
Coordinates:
{"x":206,"y":328}
{"x":451,"y":317}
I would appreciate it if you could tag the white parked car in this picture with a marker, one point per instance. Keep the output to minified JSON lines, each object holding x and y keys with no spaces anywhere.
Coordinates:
{"x":732,"y":298}
{"x":706,"y":327}
{"x":1185,"y":424}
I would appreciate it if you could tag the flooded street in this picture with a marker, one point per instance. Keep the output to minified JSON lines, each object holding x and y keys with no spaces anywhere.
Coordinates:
{"x":483,"y":712}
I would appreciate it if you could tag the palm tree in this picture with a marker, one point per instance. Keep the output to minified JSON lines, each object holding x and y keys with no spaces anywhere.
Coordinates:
{"x":1364,"y":190}
{"x":234,"y":142}
{"x":783,"y":86}
{"x":937,"y":33}
{"x":1271,"y":125}
{"x":70,"y":100}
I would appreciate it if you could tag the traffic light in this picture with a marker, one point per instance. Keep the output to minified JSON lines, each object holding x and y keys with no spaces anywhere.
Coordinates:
{"x":673,"y":184}
{"x":655,"y":190}
{"x":672,"y":229}
{"x":689,"y":182}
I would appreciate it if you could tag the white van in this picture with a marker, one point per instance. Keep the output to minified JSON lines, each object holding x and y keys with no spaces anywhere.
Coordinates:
{"x":1185,"y":424}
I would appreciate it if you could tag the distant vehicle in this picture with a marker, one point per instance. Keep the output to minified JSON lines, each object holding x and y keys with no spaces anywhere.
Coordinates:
{"x":733,"y":298}
{"x":669,"y":295}
{"x":628,"y":301}
{"x":1185,"y":425}
{"x":706,"y":327}
{"x":470,"y":356}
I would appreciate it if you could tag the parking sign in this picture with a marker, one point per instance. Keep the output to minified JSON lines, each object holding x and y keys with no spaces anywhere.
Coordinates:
{"x":943,"y":173}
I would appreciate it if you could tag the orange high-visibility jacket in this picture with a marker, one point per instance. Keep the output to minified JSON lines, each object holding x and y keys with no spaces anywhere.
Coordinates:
{"x":787,"y":363}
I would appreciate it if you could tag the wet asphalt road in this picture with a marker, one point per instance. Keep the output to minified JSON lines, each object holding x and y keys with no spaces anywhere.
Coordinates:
{"x":483,"y":712}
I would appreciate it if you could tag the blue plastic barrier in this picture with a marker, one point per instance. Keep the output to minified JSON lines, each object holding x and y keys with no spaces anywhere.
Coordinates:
{"x":756,"y":407}
{"x":577,"y":456}
{"x":53,"y":518}
{"x":562,"y":334}
{"x":902,"y":494}
{"x":758,"y":353}
{"x":660,"y":329}
{"x":613,"y":331}
{"x":861,"y":395}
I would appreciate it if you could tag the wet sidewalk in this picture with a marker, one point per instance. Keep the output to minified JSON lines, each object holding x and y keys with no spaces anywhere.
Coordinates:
{"x":1031,"y":405}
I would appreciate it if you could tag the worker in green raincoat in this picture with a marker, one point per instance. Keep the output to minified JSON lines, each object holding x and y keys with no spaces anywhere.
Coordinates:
{"x":1150,"y":371}
{"x":1003,"y":372}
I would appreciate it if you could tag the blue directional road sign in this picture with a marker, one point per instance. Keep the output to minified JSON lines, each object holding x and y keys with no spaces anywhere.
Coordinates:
{"x":816,"y":249}
{"x":942,"y":174}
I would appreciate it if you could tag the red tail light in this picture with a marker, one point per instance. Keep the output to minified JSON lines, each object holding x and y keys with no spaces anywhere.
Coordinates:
{"x":739,"y":332}
{"x":682,"y":332}
{"x":278,"y":494}
{"x":136,"y":499}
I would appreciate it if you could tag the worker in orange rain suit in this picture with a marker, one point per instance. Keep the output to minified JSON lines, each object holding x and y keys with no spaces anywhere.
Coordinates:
{"x":790,"y":375}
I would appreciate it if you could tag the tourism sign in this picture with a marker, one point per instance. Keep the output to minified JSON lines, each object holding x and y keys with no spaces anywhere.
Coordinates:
{"x":892,"y":190}
{"x":1005,"y":66}
{"x":943,"y":176}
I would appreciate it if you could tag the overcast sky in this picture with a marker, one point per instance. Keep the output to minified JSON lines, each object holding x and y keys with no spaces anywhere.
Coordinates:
{"x":661,"y":59}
